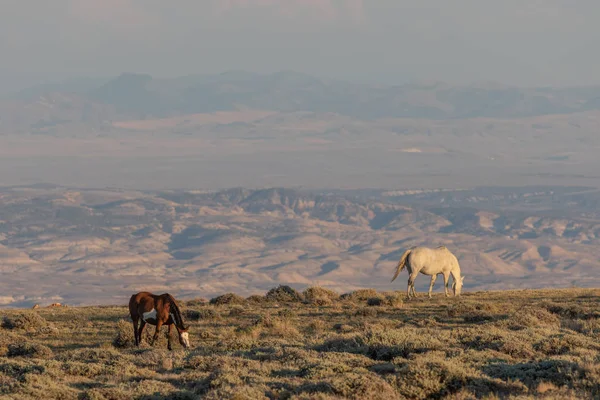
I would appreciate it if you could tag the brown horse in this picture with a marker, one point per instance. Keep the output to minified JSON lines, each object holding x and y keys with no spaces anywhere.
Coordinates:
{"x":157,"y":310}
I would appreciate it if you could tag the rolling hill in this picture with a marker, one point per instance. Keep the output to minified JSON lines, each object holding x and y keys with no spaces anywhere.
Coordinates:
{"x":88,"y":246}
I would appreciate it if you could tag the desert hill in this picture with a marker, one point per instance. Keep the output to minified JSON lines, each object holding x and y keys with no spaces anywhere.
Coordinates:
{"x":87,"y":246}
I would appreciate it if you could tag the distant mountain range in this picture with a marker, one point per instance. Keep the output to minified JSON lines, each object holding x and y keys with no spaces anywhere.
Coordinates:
{"x":133,"y":95}
{"x":231,"y":129}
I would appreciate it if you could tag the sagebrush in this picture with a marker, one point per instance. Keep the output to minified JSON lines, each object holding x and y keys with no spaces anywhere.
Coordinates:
{"x":316,"y":345}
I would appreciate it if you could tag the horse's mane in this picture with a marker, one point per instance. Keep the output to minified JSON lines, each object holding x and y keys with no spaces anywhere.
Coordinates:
{"x":176,"y":311}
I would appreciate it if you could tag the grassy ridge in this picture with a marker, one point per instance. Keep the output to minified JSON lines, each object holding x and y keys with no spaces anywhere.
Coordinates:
{"x":316,"y":345}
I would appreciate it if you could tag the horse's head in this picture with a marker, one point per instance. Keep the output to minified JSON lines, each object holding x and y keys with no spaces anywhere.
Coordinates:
{"x":184,"y":337}
{"x":457,"y":285}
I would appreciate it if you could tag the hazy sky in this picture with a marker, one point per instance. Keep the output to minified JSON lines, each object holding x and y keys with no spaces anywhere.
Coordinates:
{"x":524,"y":42}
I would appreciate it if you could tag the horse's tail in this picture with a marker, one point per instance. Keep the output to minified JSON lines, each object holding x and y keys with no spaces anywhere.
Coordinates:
{"x":402,"y":263}
{"x":176,"y":312}
{"x":132,"y":301}
{"x":133,"y":312}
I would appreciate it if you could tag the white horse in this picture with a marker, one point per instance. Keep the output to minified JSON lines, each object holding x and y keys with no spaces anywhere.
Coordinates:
{"x":430,"y":262}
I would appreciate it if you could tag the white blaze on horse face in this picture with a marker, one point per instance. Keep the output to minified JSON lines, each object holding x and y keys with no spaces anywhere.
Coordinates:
{"x":185,"y":338}
{"x":149,"y":315}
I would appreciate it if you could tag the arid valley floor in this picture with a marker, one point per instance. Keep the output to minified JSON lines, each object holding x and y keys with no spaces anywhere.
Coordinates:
{"x":520,"y":344}
{"x":91,"y":247}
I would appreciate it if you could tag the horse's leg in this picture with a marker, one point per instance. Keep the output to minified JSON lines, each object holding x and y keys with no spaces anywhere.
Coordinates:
{"x":169,"y":337}
{"x":141,"y":330}
{"x":156,"y":332}
{"x":433,"y":278}
{"x":135,"y":331}
{"x":411,"y":284}
{"x":446,"y":279}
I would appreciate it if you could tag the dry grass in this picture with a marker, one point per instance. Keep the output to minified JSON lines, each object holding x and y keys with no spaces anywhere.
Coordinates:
{"x":517,"y":344}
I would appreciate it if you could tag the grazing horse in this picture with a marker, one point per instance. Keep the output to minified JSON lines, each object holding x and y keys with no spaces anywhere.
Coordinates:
{"x":430,"y":262}
{"x":157,"y":310}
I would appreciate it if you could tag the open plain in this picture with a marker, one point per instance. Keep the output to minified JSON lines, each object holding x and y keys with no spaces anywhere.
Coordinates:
{"x":517,"y":344}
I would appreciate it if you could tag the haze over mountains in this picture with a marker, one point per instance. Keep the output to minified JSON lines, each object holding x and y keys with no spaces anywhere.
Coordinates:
{"x":227,"y":130}
{"x":143,"y":96}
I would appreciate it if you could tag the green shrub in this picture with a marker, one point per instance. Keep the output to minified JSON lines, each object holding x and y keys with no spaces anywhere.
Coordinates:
{"x":30,"y":350}
{"x":395,"y":300}
{"x":365,"y":312}
{"x":533,"y":317}
{"x":375,"y":301}
{"x":283,"y":294}
{"x":236,"y":311}
{"x":29,"y":321}
{"x":256,"y":299}
{"x":287,"y":313}
{"x":201,"y":314}
{"x":124,"y":335}
{"x":228,"y":298}
{"x":7,"y":338}
{"x":200,"y":301}
{"x":319,"y":296}
{"x":359,"y":295}
{"x":350,"y":385}
{"x":343,"y":328}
